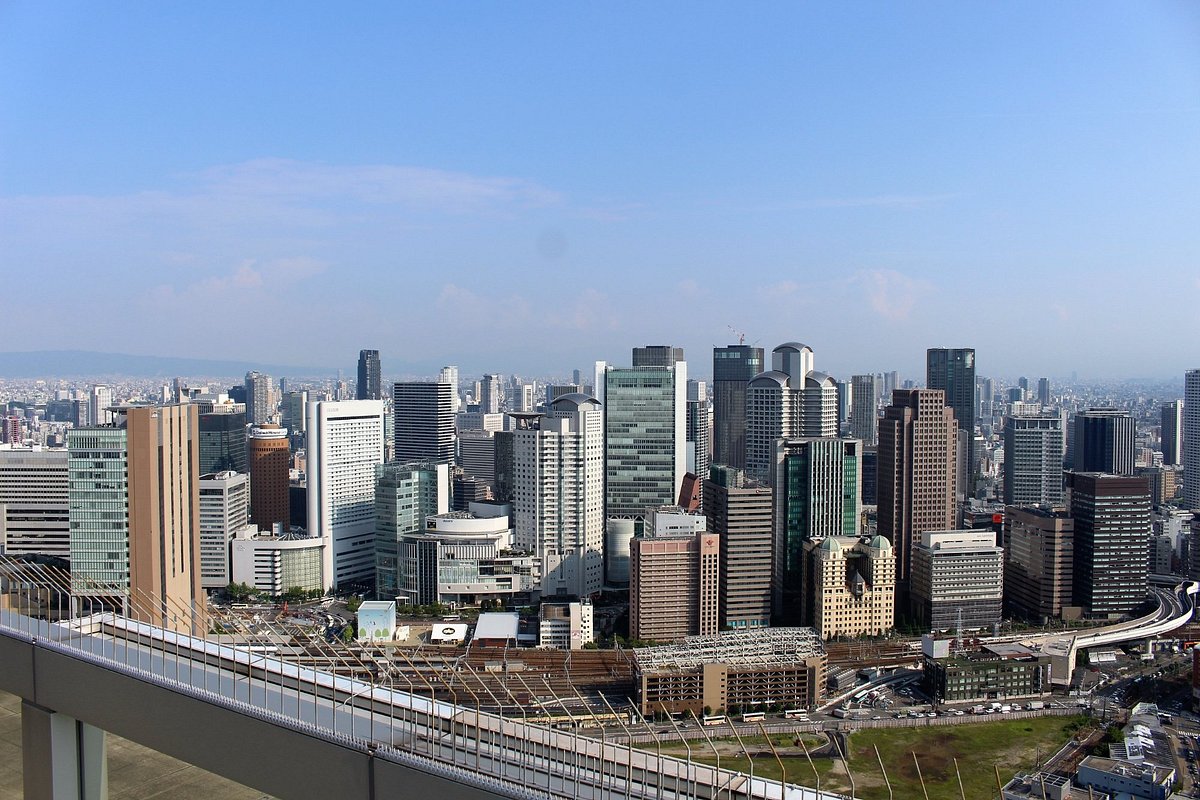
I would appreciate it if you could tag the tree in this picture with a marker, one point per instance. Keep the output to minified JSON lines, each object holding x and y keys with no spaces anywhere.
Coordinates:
{"x":295,"y":595}
{"x":352,"y":605}
{"x":239,"y":592}
{"x":348,"y":634}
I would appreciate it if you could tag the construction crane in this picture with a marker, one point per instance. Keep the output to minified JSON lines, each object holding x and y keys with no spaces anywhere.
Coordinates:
{"x":740,"y":334}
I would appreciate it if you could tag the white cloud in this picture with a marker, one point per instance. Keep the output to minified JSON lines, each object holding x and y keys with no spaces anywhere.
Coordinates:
{"x":891,"y":294}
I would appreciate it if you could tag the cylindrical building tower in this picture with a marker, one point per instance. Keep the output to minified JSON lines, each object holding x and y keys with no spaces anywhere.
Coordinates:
{"x":270,"y":460}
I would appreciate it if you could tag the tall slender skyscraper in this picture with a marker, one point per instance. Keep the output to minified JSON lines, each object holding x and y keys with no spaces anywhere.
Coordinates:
{"x":917,"y":468}
{"x":1043,"y":391}
{"x":817,"y":495}
{"x":270,"y":466}
{"x":490,"y":394}
{"x":697,"y":429}
{"x":733,"y":368}
{"x":101,"y":399}
{"x":559,"y":487}
{"x":258,"y":398}
{"x":345,"y":443}
{"x":449,"y":375}
{"x":424,"y":422}
{"x":953,"y":371}
{"x":1191,"y":440}
{"x":369,"y":386}
{"x":864,"y":408}
{"x":1172,"y":432}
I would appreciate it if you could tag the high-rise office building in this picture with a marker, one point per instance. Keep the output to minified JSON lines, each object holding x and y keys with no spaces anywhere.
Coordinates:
{"x":1043,"y":385}
{"x":559,"y":487}
{"x":270,"y":477}
{"x":1172,"y":432}
{"x":733,"y":368}
{"x":449,"y":376}
{"x":424,"y":422}
{"x":223,"y":439}
{"x":1104,"y":441}
{"x":135,"y":511}
{"x":490,"y":394}
{"x":1191,"y":440}
{"x":657,"y":355}
{"x":369,"y":386}
{"x":1112,"y":532}
{"x":477,"y":455}
{"x":405,"y":495}
{"x":258,"y":398}
{"x":345,"y":443}
{"x":817,"y":495}
{"x":645,"y":437}
{"x":1034,"y":446}
{"x":99,"y":404}
{"x":697,"y":429}
{"x":864,"y":409}
{"x":34,"y":502}
{"x":916,"y":467}
{"x":1039,"y":553}
{"x":790,"y":401}
{"x":10,"y":430}
{"x":224,"y":510}
{"x":953,"y":371}
{"x":957,"y":580}
{"x":674,"y":577}
{"x":739,"y":512}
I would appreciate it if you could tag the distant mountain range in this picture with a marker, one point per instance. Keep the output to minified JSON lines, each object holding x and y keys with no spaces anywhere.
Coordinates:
{"x":83,"y":364}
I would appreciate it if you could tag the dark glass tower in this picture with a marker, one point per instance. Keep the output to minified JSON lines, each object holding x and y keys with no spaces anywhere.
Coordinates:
{"x":222,"y":443}
{"x":369,"y":387}
{"x":1103,"y":442}
{"x":733,"y":367}
{"x":953,"y":371}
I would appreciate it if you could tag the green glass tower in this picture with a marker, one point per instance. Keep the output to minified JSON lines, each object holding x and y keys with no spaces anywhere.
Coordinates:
{"x":817,"y":494}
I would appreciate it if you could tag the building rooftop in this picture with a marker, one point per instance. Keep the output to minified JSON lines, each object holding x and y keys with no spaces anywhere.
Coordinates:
{"x":497,"y":625}
{"x":756,"y":648}
{"x":1127,"y":769}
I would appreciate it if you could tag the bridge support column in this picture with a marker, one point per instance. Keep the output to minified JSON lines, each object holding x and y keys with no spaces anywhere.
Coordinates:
{"x":63,"y":758}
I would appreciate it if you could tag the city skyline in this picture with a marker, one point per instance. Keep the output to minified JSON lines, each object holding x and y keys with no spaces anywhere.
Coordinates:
{"x":374,"y":177}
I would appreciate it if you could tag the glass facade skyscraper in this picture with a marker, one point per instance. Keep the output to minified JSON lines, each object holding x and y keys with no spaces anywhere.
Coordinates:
{"x":733,"y":367}
{"x":98,"y":492}
{"x":645,"y":437}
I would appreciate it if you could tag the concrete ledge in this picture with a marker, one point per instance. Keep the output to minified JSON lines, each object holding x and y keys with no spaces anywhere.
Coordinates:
{"x":16,"y":667}
{"x":275,"y":760}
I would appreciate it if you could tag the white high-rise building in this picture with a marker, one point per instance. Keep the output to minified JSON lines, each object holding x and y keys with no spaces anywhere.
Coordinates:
{"x":345,"y":442}
{"x":224,"y":510}
{"x":1191,"y":440}
{"x":559,"y":502}
{"x":102,"y":398}
{"x":449,"y":374}
{"x":791,"y":401}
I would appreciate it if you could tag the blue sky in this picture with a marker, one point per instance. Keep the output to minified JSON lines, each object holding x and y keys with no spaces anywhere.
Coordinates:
{"x":530,"y":187}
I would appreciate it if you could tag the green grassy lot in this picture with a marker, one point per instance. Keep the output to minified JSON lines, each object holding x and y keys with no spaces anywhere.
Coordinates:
{"x":1014,"y":745}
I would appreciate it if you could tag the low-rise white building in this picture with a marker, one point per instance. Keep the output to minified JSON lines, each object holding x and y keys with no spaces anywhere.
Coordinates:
{"x":275,"y":564}
{"x":565,"y":626}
